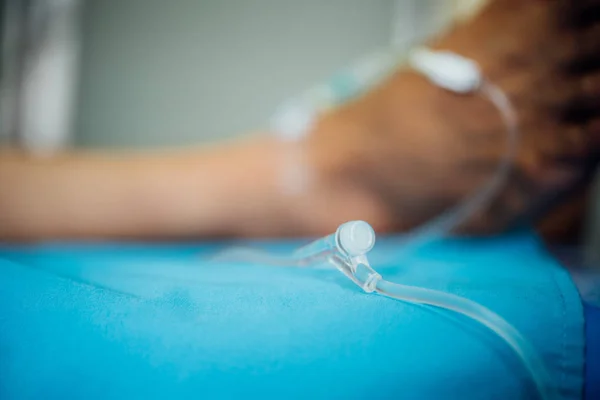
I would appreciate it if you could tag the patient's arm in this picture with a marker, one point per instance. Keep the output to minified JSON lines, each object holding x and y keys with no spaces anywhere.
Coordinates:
{"x":396,"y":157}
{"x":231,"y":189}
{"x":145,"y":195}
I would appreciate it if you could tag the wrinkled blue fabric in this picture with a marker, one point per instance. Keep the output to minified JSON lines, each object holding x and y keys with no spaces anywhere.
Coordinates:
{"x":157,"y":321}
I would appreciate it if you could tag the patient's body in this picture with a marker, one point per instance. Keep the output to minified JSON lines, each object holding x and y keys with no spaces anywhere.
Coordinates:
{"x":396,"y":157}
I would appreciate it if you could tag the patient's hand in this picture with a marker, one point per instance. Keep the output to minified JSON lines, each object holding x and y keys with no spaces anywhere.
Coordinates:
{"x":408,"y":151}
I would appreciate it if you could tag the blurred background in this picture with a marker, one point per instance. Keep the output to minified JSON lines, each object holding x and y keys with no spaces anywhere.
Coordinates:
{"x":153,"y":73}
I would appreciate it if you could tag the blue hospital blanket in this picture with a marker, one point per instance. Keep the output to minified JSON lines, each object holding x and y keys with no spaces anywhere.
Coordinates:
{"x":157,"y":321}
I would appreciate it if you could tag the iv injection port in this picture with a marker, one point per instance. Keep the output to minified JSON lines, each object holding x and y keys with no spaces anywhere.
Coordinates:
{"x":355,"y":238}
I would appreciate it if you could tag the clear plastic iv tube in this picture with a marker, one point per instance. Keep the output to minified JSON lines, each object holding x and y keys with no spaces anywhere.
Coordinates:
{"x":453,"y":218}
{"x":293,"y":122}
{"x":475,"y":311}
{"x":347,"y":250}
{"x":355,"y":237}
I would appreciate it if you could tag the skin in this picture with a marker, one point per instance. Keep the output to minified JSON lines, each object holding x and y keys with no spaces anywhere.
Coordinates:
{"x":396,"y":157}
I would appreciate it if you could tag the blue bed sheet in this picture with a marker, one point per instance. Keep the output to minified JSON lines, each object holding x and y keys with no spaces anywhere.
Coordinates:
{"x":194,"y":330}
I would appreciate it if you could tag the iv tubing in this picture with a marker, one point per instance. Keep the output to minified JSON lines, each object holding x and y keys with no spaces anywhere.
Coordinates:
{"x":347,"y":250}
{"x":447,"y":70}
{"x":475,"y":311}
{"x":348,"y":247}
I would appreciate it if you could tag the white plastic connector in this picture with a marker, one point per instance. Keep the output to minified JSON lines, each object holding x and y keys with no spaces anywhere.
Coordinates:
{"x":447,"y":70}
{"x":355,"y":238}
